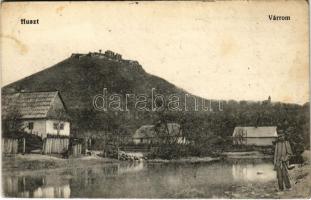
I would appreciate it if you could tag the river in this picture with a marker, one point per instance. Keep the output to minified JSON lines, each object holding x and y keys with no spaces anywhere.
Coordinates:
{"x":141,"y":180}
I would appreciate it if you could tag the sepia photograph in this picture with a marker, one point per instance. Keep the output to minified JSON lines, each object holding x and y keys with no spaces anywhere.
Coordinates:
{"x":155,"y":99}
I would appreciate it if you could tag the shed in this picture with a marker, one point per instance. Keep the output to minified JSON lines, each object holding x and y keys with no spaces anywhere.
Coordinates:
{"x":259,"y":136}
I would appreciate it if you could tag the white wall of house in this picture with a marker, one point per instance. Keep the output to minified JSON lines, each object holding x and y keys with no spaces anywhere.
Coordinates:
{"x":136,"y":141}
{"x":265,"y":141}
{"x":42,"y":127}
{"x":39,"y":126}
{"x":50,"y":129}
{"x":141,"y":140}
{"x":260,"y":141}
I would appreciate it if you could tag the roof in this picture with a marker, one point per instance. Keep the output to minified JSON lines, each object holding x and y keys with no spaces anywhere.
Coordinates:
{"x":148,"y":131}
{"x":263,"y":131}
{"x":29,"y":104}
{"x":145,"y":131}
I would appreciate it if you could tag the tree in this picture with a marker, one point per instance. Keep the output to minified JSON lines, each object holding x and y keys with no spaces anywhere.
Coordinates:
{"x":164,"y":134}
{"x":240,"y":136}
{"x":295,"y":138}
{"x":11,"y":122}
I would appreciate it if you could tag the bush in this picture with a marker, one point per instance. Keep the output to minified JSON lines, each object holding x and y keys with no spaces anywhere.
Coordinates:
{"x":165,"y":151}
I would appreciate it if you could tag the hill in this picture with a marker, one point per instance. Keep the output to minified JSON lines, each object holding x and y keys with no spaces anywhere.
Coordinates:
{"x":81,"y":77}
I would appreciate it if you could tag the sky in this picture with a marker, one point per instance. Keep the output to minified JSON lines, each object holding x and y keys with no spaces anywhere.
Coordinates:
{"x":217,"y":50}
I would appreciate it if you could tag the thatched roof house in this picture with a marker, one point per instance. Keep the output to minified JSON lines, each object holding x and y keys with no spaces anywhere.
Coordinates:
{"x":148,"y":133}
{"x":32,"y":105}
{"x":41,"y":113}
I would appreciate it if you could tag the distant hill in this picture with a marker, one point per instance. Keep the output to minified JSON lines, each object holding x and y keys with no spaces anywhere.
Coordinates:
{"x":82,"y":76}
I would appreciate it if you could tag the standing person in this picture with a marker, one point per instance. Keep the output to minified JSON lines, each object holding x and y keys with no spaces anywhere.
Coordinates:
{"x":281,"y":160}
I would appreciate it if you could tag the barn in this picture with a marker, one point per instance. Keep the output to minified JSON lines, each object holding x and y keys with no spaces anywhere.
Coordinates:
{"x":40,"y":113}
{"x":259,"y":136}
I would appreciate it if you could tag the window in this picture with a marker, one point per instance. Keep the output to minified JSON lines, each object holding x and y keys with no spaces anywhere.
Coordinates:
{"x":30,"y":125}
{"x":55,"y":126}
{"x":60,"y":125}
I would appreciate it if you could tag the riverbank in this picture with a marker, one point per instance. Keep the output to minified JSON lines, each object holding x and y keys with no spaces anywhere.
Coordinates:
{"x":300,"y":178}
{"x":246,"y":155}
{"x":186,"y":160}
{"x":300,"y":181}
{"x":30,"y":162}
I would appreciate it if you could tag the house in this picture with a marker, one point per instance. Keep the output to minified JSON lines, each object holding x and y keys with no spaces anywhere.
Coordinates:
{"x":260,"y":136}
{"x":147,"y":134}
{"x":39,"y":113}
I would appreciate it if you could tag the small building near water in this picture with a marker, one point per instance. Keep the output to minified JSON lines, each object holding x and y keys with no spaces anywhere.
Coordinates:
{"x":259,"y":136}
{"x":40,"y":113}
{"x":147,"y":134}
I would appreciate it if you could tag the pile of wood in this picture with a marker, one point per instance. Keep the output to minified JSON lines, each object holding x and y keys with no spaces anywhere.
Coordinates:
{"x":123,"y":156}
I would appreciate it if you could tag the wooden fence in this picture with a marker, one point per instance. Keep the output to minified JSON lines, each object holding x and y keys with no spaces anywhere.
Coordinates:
{"x":55,"y":145}
{"x":10,"y":145}
{"x":51,"y":145}
{"x":76,"y":149}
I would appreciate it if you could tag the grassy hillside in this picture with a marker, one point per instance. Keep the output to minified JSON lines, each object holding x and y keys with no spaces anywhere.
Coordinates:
{"x":81,"y":77}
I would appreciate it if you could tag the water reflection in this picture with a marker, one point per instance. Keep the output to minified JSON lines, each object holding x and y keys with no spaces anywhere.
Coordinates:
{"x":129,"y":168}
{"x":33,"y":186}
{"x":52,"y":192}
{"x":139,"y":180}
{"x":253,"y":172}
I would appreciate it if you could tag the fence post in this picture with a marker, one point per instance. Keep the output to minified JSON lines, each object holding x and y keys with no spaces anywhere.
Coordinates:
{"x":24,"y":145}
{"x":118,"y":153}
{"x":85,"y":143}
{"x":43,"y":146}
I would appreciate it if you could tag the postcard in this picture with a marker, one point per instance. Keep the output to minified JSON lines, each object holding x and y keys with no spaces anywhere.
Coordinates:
{"x":155,"y":99}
